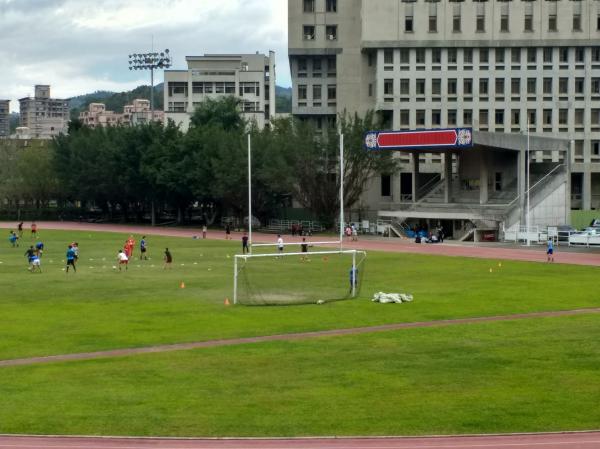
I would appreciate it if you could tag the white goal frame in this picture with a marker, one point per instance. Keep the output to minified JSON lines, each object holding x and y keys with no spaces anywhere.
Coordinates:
{"x":245,"y":257}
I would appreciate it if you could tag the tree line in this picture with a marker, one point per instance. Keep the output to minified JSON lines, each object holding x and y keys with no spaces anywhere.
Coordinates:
{"x":138,"y":172}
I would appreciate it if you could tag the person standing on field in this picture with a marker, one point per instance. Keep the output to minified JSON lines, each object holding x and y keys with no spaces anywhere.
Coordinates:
{"x":71,"y":259}
{"x":280,"y":244}
{"x":245,"y":244}
{"x":20,"y":229}
{"x":204,"y":232}
{"x":143,"y":248}
{"x":33,"y":230}
{"x":122,"y":259}
{"x":550,"y":251}
{"x":168,"y":259}
{"x":227,"y":232}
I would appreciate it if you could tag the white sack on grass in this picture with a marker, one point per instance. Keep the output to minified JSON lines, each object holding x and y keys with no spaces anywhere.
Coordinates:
{"x":388,"y":298}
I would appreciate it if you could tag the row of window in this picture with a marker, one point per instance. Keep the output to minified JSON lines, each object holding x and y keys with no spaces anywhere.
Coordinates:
{"x":317,"y":92}
{"x":309,"y":32}
{"x":308,"y":6}
{"x":181,"y":106}
{"x":200,"y":87}
{"x":531,"y":55}
{"x":318,"y":68}
{"x":480,"y":19}
{"x":550,"y":86}
{"x":503,"y":117}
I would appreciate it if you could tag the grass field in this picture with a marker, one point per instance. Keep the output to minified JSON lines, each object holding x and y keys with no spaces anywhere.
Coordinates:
{"x":531,"y":375}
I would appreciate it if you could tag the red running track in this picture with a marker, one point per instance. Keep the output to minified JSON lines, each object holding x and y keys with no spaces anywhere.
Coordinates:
{"x":533,"y":254}
{"x":584,"y":440}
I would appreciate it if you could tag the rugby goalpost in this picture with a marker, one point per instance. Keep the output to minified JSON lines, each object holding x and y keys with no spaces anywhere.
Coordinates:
{"x":332,"y":268}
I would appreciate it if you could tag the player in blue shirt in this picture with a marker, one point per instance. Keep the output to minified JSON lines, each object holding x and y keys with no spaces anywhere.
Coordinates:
{"x":39,"y":249}
{"x":143,"y":249}
{"x":353,"y":278}
{"x":71,"y":258}
{"x":550,"y":251}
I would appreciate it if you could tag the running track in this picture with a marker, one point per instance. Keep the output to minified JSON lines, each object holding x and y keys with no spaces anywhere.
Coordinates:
{"x":534,"y":254}
{"x":586,"y":440}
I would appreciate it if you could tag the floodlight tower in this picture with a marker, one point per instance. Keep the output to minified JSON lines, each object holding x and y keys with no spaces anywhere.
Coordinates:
{"x":150,"y":61}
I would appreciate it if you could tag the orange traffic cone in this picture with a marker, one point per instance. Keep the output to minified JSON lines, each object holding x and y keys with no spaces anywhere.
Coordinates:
{"x":182,"y":285}
{"x":227,"y":301}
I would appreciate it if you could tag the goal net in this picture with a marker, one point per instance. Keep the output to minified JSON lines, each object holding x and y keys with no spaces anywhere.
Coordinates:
{"x":298,"y":278}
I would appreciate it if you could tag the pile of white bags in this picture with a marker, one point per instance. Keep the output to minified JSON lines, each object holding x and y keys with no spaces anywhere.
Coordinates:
{"x":388,"y":298}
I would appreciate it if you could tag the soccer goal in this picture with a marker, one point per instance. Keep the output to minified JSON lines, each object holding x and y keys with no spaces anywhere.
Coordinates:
{"x":298,"y":278}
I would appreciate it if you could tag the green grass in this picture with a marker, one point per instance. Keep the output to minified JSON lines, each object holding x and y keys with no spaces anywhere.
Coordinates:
{"x":99,"y":309}
{"x":520,"y":376}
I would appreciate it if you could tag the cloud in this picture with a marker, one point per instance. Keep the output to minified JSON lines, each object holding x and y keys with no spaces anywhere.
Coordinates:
{"x":79,"y":46}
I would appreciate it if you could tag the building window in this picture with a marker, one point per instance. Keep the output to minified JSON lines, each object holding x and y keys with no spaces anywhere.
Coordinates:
{"x":467,"y":117}
{"x":563,"y":85}
{"x":420,"y":117}
{"x":515,"y":86}
{"x":404,"y":86}
{"x":484,"y":56}
{"x":404,"y":56}
{"x":531,"y":55}
{"x":386,"y":185}
{"x":331,"y":32}
{"x":595,"y":147}
{"x":468,"y":87}
{"x":436,"y":56}
{"x":452,"y":56}
{"x":547,"y":117}
{"x":579,"y":54}
{"x":528,"y":22}
{"x":331,"y":5}
{"x":548,"y":54}
{"x":563,"y":117}
{"x":579,"y":86}
{"x":563,"y":54}
{"x":456,"y":22}
{"x":408,"y":19}
{"x":436,"y":87}
{"x":595,"y":85}
{"x":595,"y":54}
{"x":483,"y":118}
{"x":420,"y":56}
{"x":316,"y":92}
{"x":515,"y":117}
{"x":576,"y":22}
{"x":452,"y":86}
{"x":531,"y":117}
{"x":579,"y":117}
{"x":515,"y":56}
{"x":302,"y":92}
{"x":331,"y":67}
{"x":388,"y":56}
{"x":404,"y":118}
{"x":468,"y":56}
{"x":317,"y":67}
{"x":595,"y":118}
{"x":480,"y":23}
{"x":547,"y":86}
{"x":388,"y":87}
{"x":302,"y":66}
{"x":552,"y":24}
{"x":309,"y":32}
{"x":531,"y":86}
{"x":420,"y":87}
{"x":370,"y":89}
{"x":483,"y":87}
{"x":332,"y":92}
{"x":309,"y":5}
{"x":452,"y":117}
{"x":499,"y":116}
{"x":433,"y":24}
{"x":436,"y":117}
{"x":504,"y":23}
{"x":499,"y":87}
{"x":500,"y":56}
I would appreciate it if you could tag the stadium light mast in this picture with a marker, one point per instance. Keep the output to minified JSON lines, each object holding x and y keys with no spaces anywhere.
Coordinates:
{"x":528,"y":163}
{"x":150,"y":61}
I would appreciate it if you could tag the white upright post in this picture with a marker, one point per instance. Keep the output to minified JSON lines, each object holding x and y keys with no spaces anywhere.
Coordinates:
{"x":341,"y":192}
{"x":354,"y":274}
{"x":528,"y":163}
{"x":249,"y":194}
{"x":235,"y":279}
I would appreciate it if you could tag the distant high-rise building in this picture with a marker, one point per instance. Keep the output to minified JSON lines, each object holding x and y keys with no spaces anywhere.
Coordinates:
{"x":4,"y":118}
{"x":44,"y":116}
{"x":248,"y":77}
{"x":133,"y":114}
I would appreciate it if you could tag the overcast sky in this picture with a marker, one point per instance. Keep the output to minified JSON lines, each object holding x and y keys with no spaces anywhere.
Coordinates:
{"x":80,"y":46}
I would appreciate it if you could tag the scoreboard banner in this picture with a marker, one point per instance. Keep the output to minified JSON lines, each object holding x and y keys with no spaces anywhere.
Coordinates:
{"x":430,"y":139}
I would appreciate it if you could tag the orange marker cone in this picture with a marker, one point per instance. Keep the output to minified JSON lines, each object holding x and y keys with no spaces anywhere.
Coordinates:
{"x":182,"y":285}
{"x":227,"y":301}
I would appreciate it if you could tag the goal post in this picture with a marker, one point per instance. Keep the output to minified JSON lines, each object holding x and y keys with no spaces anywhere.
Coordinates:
{"x":298,"y":278}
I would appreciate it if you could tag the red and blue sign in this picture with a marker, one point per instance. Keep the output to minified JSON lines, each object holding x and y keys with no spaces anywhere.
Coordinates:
{"x":429,"y":139}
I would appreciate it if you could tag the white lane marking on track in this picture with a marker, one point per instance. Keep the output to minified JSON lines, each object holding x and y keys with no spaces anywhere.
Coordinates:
{"x":336,"y":444}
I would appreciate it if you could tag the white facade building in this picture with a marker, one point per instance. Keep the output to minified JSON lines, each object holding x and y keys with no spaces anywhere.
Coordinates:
{"x":44,"y":116}
{"x":249,"y":77}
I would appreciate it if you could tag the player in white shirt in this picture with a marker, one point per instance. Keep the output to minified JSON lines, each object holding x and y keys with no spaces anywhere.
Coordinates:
{"x":122,"y":259}
{"x":279,"y":243}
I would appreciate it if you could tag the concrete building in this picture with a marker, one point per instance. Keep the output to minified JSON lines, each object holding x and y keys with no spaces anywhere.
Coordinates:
{"x":495,"y":66}
{"x":44,"y":116}
{"x":133,"y":114}
{"x":250,"y":78}
{"x":4,"y":119}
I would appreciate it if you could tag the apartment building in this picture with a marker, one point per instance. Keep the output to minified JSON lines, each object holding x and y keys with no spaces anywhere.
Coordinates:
{"x":45,"y":117}
{"x":496,"y":66}
{"x":4,"y":119}
{"x":248,"y":77}
{"x":133,"y":114}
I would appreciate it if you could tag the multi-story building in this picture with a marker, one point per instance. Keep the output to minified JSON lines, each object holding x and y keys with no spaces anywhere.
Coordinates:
{"x":44,"y":116}
{"x":497,"y":66}
{"x":248,"y":77}
{"x":133,"y":114}
{"x":4,"y":119}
